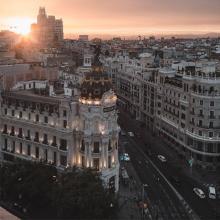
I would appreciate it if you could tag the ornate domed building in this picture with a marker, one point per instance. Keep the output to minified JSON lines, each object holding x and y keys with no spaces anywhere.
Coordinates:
{"x":100,"y":131}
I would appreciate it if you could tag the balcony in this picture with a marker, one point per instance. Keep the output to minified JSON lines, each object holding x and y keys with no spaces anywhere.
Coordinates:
{"x":5,"y":132}
{"x":212,"y":117}
{"x":28,"y":138}
{"x":36,"y":139}
{"x":45,"y":142}
{"x":54,"y":144}
{"x":96,"y":153}
{"x":63,"y":148}
{"x":20,"y":135}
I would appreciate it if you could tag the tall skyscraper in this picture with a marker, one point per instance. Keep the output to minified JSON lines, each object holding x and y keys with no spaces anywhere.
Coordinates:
{"x":48,"y":31}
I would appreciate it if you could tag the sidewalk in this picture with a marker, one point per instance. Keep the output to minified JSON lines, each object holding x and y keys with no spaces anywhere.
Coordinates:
{"x":130,"y":196}
{"x":128,"y":207}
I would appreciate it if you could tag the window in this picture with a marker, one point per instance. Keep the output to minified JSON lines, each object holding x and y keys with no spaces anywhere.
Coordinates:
{"x":199,"y":146}
{"x":63,"y":160}
{"x":200,"y":133}
{"x":5,"y":131}
{"x":210,"y":134}
{"x":201,"y":102}
{"x":13,"y":146}
{"x":183,"y":116}
{"x":212,"y":114}
{"x":109,"y":162}
{"x":82,"y":146}
{"x":64,"y":113}
{"x":212,"y":103}
{"x":63,"y":144}
{"x":218,"y":148}
{"x":12,"y":131}
{"x":64,"y":123}
{"x":29,"y":116}
{"x":109,"y":145}
{"x":201,"y":112}
{"x":20,"y":114}
{"x":28,"y":135}
{"x":211,"y":124}
{"x":29,"y":150}
{"x":45,"y":155}
{"x":45,"y":141}
{"x":210,"y":148}
{"x":46,"y":119}
{"x":182,"y":125}
{"x":200,"y":123}
{"x":37,"y":152}
{"x":6,"y":111}
{"x":96,"y":147}
{"x":96,"y":163}
{"x":36,"y":137}
{"x":13,"y":112}
{"x":183,"y":107}
{"x":37,"y":118}
{"x":20,"y":149}
{"x":55,"y":157}
{"x":54,"y":143}
{"x":20,"y":135}
{"x":6,"y":143}
{"x":83,"y":161}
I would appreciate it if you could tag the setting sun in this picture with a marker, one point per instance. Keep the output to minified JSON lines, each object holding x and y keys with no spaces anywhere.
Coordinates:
{"x":20,"y":25}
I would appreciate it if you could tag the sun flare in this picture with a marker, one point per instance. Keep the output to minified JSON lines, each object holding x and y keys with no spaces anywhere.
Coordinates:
{"x":20,"y":25}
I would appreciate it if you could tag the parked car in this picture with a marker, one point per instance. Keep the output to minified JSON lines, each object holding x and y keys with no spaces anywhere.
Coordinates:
{"x":162,"y":158}
{"x":131,"y":134}
{"x":199,"y":193}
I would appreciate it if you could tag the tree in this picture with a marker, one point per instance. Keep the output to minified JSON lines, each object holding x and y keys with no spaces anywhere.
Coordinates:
{"x":45,"y":193}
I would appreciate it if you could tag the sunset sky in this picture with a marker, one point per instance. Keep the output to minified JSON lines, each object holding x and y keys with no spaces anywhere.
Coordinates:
{"x":118,"y":17}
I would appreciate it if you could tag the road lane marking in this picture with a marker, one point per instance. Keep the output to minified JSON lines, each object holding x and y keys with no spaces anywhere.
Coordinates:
{"x":182,"y":200}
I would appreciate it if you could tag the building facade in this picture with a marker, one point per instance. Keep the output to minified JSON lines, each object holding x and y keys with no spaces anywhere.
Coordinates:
{"x":55,"y":124}
{"x":179,"y":102}
{"x":48,"y":31}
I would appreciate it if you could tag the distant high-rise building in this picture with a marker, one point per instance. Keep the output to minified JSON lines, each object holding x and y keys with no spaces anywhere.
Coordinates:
{"x":83,"y":37}
{"x":48,"y":31}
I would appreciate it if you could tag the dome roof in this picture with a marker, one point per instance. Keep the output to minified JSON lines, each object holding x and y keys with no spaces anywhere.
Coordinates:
{"x":97,"y":82}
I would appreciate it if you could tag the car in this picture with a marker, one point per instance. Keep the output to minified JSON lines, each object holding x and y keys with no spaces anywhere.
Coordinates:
{"x":131,"y":134}
{"x":162,"y":158}
{"x":126,"y":157}
{"x":212,"y":192}
{"x":199,"y":193}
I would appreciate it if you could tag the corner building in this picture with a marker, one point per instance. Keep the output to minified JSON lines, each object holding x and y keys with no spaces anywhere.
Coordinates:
{"x":47,"y":122}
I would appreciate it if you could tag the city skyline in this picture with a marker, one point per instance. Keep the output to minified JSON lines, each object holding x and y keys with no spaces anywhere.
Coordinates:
{"x":128,"y":18}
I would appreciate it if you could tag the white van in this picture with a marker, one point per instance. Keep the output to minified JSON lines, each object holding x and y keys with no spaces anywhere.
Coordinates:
{"x":212,"y":193}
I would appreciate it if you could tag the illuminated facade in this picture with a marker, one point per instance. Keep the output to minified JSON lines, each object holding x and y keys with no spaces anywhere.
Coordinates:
{"x":52,"y":123}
